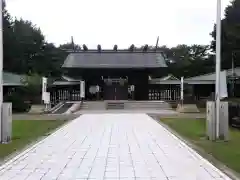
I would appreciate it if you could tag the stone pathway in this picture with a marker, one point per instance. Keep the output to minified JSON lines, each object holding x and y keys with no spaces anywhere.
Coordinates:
{"x":162,"y":112}
{"x":110,"y":147}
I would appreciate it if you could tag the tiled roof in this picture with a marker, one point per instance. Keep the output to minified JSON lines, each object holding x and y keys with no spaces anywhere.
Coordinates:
{"x":115,"y":60}
{"x":11,"y":79}
{"x":169,"y":77}
{"x":57,"y":83}
{"x":212,"y":76}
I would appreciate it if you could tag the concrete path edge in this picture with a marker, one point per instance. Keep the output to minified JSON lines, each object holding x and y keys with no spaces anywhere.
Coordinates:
{"x":16,"y":155}
{"x":201,"y":153}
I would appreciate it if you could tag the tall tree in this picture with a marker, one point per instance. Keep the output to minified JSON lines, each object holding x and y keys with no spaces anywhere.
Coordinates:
{"x":71,"y":46}
{"x":51,"y":60}
{"x":8,"y":39}
{"x":26,"y":51}
{"x":29,"y":43}
{"x":230,"y":35}
{"x":184,"y":60}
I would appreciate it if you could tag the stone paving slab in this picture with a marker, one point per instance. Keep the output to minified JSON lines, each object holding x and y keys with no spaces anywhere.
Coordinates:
{"x":165,"y":112}
{"x":110,"y":147}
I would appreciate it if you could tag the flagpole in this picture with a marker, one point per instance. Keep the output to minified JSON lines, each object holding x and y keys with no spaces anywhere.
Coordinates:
{"x":1,"y":67}
{"x":218,"y":66}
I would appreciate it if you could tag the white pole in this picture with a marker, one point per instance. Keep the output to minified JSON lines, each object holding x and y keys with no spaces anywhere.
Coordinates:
{"x":218,"y":65}
{"x":1,"y":67}
{"x":182,"y":91}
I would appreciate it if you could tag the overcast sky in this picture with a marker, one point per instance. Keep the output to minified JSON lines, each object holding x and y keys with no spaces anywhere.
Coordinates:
{"x":122,"y":22}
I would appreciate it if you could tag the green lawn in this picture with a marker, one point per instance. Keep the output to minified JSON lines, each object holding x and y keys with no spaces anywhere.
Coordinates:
{"x":194,"y":131}
{"x":26,"y":132}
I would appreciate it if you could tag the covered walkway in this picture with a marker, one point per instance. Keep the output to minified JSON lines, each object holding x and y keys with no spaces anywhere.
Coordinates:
{"x":111,"y":147}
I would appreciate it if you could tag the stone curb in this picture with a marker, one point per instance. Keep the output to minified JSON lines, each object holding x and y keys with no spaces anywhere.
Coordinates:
{"x":219,"y":165}
{"x":14,"y":156}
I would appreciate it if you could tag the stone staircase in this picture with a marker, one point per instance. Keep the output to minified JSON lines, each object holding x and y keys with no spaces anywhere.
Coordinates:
{"x":63,"y":108}
{"x":125,"y":105}
{"x":56,"y":107}
{"x":93,"y":105}
{"x":153,"y":105}
{"x":115,"y":105}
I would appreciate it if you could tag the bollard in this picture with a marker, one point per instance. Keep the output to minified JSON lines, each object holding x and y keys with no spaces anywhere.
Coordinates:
{"x":211,"y":121}
{"x":224,"y":121}
{"x":6,"y":123}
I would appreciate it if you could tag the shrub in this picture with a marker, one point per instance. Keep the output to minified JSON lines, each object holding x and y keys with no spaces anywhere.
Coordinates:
{"x":19,"y":101}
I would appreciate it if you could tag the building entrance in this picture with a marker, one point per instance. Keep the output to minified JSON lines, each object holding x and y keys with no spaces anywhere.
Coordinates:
{"x":115,"y":89}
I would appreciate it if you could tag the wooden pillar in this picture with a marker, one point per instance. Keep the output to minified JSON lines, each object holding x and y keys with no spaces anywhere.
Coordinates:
{"x":87,"y":86}
{"x":194,"y":92}
{"x":172,"y":90}
{"x":70,"y":92}
{"x":56,"y":90}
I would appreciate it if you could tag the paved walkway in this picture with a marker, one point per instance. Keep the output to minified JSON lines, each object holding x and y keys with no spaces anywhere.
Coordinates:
{"x":111,"y":147}
{"x":163,"y":112}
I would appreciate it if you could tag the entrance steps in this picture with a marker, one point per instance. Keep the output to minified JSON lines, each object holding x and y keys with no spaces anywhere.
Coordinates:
{"x":115,"y":105}
{"x":153,"y":105}
{"x":125,"y":105}
{"x":68,"y":107}
{"x":93,"y":105}
{"x":62,"y":109}
{"x":55,"y":108}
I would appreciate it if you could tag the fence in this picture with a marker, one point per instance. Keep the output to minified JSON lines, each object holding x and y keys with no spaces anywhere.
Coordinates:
{"x":58,"y":95}
{"x":164,"y":92}
{"x":155,"y":92}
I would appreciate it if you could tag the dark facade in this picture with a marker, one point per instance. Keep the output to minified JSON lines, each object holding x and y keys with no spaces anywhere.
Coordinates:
{"x":110,"y":75}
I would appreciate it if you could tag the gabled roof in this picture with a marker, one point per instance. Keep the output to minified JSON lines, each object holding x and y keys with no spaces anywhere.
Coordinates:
{"x":204,"y":77}
{"x":11,"y":79}
{"x":169,"y":77}
{"x":212,"y":76}
{"x":59,"y":83}
{"x":66,"y":78}
{"x":111,"y":59}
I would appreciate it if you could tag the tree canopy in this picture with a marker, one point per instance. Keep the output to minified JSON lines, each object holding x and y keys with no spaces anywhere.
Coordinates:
{"x":230,"y":35}
{"x":184,"y":60}
{"x":26,"y":50}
